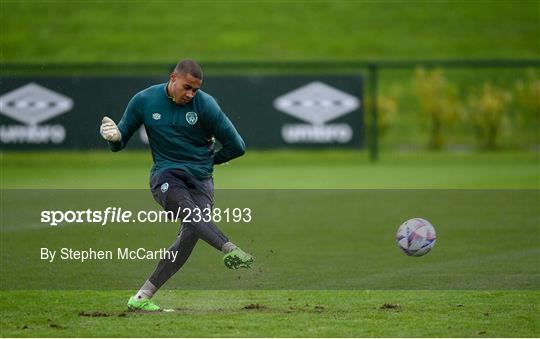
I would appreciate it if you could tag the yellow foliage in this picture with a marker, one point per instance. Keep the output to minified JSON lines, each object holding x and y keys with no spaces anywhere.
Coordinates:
{"x":438,"y":101}
{"x":387,"y":107}
{"x":488,"y":113}
{"x":528,"y":99}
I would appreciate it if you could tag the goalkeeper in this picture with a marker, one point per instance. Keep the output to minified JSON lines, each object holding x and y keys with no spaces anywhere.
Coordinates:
{"x":181,"y":122}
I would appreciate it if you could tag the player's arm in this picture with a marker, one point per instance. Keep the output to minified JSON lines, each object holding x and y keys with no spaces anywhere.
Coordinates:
{"x":224,"y":131}
{"x":118,"y":135}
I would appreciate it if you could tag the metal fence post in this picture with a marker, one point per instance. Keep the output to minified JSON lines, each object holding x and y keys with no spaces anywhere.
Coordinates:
{"x":374,"y":130}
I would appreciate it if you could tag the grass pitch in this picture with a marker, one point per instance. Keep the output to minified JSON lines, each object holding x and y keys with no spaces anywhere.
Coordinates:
{"x":333,"y":30}
{"x":330,"y":169}
{"x":317,"y":274}
{"x":275,"y":314}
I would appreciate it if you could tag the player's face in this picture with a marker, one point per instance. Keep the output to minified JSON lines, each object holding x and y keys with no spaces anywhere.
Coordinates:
{"x":183,"y":87}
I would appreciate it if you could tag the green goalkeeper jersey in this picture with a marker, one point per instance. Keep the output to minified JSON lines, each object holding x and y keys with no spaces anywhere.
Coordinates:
{"x":181,"y":137}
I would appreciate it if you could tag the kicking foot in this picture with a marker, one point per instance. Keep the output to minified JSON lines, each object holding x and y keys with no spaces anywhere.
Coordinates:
{"x":142,"y":305}
{"x":237,"y":258}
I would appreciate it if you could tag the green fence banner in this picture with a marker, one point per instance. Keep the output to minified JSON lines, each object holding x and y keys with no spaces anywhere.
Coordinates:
{"x":268,"y":111}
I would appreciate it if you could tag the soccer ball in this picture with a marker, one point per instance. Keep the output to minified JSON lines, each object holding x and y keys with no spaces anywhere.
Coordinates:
{"x":416,"y":237}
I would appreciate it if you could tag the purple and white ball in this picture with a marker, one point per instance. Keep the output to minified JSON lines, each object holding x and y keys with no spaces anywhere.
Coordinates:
{"x":416,"y":237}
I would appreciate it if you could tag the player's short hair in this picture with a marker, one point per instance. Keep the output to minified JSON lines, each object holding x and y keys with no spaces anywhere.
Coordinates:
{"x":188,"y":66}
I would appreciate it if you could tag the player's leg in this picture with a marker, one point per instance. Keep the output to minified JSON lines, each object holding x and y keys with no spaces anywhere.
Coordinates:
{"x":173,"y":191}
{"x":202,"y":192}
{"x":190,"y":208}
{"x":175,"y":196}
{"x":183,"y":245}
{"x":165,"y":269}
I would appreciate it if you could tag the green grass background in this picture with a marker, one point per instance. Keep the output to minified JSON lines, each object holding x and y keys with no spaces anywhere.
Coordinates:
{"x":164,"y":31}
{"x":285,"y":169}
{"x":121,"y":31}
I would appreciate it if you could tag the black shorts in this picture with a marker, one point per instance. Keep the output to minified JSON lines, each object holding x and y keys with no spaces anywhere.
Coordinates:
{"x":175,"y":188}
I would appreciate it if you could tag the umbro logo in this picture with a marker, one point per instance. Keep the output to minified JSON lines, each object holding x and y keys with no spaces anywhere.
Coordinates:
{"x":32,"y":104}
{"x":316,"y":103}
{"x":156,"y":116}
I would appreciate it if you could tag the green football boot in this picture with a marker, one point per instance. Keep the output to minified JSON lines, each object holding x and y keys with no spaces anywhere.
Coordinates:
{"x":237,"y":258}
{"x":142,"y":305}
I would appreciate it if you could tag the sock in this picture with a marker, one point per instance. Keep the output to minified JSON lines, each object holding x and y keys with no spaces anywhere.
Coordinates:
{"x":227,"y":247}
{"x":146,"y":292}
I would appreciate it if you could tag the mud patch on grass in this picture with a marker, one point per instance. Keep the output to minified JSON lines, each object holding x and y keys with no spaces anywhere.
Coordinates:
{"x":96,"y":314}
{"x":254,"y":307}
{"x":305,"y":309}
{"x":57,"y":326}
{"x":101,"y":314}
